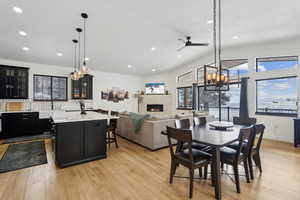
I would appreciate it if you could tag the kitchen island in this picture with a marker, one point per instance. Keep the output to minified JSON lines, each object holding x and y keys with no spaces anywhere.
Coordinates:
{"x":79,"y":138}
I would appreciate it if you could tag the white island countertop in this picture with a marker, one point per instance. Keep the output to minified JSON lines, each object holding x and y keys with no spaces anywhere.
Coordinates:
{"x":64,"y":117}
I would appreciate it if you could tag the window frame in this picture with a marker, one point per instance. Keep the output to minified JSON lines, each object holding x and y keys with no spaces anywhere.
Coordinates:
{"x":51,"y":77}
{"x":185,"y":106}
{"x":269,"y":113}
{"x":256,"y":62}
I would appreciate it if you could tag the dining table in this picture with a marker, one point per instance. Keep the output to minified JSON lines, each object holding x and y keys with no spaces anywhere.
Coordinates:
{"x":215,"y":139}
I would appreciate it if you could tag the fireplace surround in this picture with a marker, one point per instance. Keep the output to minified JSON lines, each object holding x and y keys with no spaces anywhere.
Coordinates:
{"x":155,"y":108}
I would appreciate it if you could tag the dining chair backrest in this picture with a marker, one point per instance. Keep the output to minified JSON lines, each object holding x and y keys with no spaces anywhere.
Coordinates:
{"x":182,"y":123}
{"x":259,"y":132}
{"x":246,"y":122}
{"x":199,"y":121}
{"x":180,"y":136}
{"x":113,"y":123}
{"x":246,"y":135}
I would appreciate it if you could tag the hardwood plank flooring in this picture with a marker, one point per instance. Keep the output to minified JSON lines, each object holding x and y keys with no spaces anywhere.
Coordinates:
{"x":134,"y":173}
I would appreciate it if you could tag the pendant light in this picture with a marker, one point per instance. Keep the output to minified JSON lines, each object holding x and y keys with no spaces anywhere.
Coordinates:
{"x":79,"y":72}
{"x":84,"y":69}
{"x":74,"y":74}
{"x":216,"y":78}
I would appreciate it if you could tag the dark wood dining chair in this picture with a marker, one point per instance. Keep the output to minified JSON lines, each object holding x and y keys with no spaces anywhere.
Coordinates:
{"x":185,"y":124}
{"x":189,"y":157}
{"x":199,"y":121}
{"x":111,"y":133}
{"x":247,"y":121}
{"x":182,"y":123}
{"x":255,"y":150}
{"x":235,"y":157}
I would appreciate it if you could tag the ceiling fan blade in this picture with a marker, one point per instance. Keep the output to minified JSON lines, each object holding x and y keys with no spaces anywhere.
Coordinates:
{"x":199,"y":44}
{"x":181,"y":48}
{"x":182,"y":40}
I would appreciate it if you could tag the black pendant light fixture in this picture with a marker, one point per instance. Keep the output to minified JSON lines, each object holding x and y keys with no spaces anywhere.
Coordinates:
{"x":84,"y":69}
{"x":79,"y":72}
{"x":216,"y":78}
{"x":74,"y":74}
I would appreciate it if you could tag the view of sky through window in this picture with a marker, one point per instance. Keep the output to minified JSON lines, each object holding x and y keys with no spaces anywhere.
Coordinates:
{"x":275,"y":65}
{"x":277,"y":95}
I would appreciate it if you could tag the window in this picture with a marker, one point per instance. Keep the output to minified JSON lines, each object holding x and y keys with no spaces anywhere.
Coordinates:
{"x":237,"y":67}
{"x":230,"y":100}
{"x":269,"y":64}
{"x":185,"y":98}
{"x":277,"y":96}
{"x":185,"y":78}
{"x":47,"y":88}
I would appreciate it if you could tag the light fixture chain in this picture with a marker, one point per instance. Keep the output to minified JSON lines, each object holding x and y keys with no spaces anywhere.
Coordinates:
{"x":75,"y":58}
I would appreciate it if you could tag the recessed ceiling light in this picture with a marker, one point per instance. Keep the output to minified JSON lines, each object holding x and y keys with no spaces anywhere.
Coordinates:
{"x":153,"y":48}
{"x":18,"y":10}
{"x":154,"y":70}
{"x":210,"y":21}
{"x":235,"y":37}
{"x":129,"y":66}
{"x":23,"y":33}
{"x":86,"y":59}
{"x":59,"y":54}
{"x":179,"y":56}
{"x":25,"y":49}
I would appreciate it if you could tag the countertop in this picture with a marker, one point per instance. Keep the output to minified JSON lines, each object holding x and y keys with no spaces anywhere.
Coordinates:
{"x":64,"y":117}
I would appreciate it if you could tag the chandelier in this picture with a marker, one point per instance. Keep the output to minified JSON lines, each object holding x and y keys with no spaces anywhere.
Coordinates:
{"x":216,"y":78}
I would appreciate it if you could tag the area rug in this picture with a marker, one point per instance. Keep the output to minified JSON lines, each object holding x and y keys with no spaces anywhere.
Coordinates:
{"x":27,"y":138}
{"x":19,"y":156}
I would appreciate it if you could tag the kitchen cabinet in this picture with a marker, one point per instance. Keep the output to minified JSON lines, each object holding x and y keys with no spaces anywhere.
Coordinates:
{"x":83,"y":88}
{"x":13,"y":82}
{"x":18,"y":124}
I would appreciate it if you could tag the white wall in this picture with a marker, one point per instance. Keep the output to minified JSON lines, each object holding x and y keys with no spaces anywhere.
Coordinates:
{"x":278,"y":128}
{"x":102,"y":81}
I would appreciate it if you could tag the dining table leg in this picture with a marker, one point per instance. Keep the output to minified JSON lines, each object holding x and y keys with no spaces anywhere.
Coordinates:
{"x":217,"y":172}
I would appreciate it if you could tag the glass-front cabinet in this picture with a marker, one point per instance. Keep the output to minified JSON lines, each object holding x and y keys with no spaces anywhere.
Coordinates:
{"x":13,"y":82}
{"x":83,"y":88}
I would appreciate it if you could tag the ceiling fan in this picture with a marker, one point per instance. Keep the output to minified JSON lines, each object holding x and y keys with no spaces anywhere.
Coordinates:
{"x":188,"y":43}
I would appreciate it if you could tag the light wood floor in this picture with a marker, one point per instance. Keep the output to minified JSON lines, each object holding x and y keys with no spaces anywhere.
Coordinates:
{"x":132,"y":172}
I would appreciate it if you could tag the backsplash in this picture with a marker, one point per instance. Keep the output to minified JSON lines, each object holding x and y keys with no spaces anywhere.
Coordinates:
{"x":29,"y":105}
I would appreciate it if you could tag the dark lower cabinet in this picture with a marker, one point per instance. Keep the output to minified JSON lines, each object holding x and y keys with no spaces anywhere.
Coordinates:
{"x":22,"y":124}
{"x":296,"y":132}
{"x":78,"y":142}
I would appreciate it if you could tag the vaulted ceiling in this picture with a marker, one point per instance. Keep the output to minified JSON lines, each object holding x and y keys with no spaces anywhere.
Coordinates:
{"x":122,"y":33}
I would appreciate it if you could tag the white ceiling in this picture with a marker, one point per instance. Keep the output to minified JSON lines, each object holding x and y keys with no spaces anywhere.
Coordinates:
{"x":122,"y":32}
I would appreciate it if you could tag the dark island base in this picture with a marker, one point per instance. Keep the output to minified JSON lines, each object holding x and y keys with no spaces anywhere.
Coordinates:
{"x":63,"y":165}
{"x":79,"y":142}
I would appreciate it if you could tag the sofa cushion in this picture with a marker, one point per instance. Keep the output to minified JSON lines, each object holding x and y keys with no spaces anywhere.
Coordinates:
{"x":161,"y":117}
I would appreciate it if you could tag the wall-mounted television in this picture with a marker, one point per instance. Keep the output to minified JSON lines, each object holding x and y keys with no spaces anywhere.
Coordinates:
{"x":155,"y":88}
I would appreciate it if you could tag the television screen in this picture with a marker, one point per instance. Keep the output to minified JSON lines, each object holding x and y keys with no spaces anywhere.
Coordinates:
{"x":155,"y":88}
